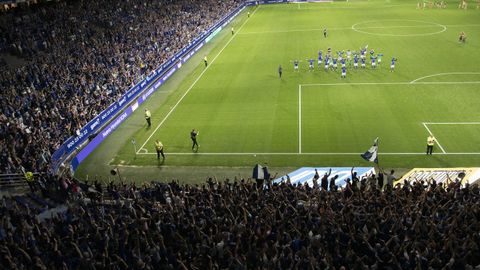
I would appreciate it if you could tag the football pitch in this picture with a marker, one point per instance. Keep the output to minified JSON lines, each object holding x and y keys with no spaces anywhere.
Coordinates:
{"x":246,"y":114}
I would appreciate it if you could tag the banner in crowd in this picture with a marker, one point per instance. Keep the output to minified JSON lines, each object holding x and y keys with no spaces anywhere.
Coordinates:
{"x":141,"y":92}
{"x":442,"y":175}
{"x":305,"y":175}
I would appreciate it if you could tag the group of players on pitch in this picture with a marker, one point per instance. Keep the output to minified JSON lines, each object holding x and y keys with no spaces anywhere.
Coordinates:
{"x":442,"y":4}
{"x":343,"y":59}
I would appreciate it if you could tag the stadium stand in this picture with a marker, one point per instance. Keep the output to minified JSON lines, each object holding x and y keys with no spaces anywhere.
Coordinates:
{"x":236,"y":225}
{"x":76,"y":58}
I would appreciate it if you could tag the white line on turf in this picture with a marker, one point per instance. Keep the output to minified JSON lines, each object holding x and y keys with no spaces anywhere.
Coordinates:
{"x":442,"y":74}
{"x":398,"y":83}
{"x":392,"y":83}
{"x":397,"y":26}
{"x":452,"y":123}
{"x":299,"y":118}
{"x":360,"y":28}
{"x":438,"y":143}
{"x":196,"y":80}
{"x":307,"y":154}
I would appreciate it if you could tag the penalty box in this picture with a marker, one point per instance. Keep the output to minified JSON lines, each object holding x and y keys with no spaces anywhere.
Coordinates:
{"x":456,"y":137}
{"x":305,"y":126}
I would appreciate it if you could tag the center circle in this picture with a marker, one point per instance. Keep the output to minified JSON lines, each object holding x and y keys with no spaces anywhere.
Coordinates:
{"x":418,"y":24}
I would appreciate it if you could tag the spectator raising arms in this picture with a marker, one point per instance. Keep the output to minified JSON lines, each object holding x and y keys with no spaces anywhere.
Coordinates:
{"x":234,"y":225}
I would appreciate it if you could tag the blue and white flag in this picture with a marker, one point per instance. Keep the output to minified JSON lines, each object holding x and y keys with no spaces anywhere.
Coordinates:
{"x":372,"y":153}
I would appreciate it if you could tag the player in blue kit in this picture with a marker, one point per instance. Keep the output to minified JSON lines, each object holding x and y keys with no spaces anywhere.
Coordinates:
{"x":327,"y":62}
{"x":344,"y":72}
{"x":310,"y":64}
{"x":355,"y":61}
{"x":295,"y":65}
{"x":392,"y":65}
{"x":363,"y":62}
{"x":342,"y":62}
{"x":374,"y":62}
{"x":334,"y":63}
{"x":320,"y":58}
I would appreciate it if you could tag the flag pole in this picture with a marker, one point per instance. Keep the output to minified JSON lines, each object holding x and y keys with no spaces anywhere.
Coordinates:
{"x":378,"y":152}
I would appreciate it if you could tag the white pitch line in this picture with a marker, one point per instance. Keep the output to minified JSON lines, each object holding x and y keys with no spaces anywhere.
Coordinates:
{"x":195,"y":82}
{"x":438,"y":143}
{"x":453,"y":123}
{"x":307,"y":154}
{"x":465,"y":82}
{"x":392,"y":83}
{"x":442,"y":74}
{"x":350,"y":28}
{"x":299,"y":118}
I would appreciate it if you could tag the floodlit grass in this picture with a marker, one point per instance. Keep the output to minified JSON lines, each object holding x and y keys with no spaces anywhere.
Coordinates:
{"x":457,"y":137}
{"x":246,"y":114}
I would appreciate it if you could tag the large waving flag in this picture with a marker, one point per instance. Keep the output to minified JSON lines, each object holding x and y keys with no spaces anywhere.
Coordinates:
{"x":372,"y":153}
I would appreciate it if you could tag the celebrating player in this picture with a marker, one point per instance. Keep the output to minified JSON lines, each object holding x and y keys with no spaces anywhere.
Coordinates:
{"x":363,"y":53}
{"x":310,"y":64}
{"x":355,"y":61}
{"x":379,"y":58}
{"x":392,"y":65}
{"x":319,"y":58}
{"x":374,"y":62}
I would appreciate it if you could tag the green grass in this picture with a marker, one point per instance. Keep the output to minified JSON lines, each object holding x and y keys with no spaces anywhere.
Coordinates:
{"x":459,"y":138}
{"x":242,"y":108}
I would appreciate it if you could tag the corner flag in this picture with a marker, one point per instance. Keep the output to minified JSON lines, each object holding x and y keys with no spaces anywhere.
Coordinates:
{"x":372,"y":153}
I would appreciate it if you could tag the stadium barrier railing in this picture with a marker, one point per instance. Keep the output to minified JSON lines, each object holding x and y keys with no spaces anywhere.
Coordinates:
{"x":16,"y":180}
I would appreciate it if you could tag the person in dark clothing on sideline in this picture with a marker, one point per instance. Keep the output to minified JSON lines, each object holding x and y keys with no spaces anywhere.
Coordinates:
{"x":193,"y":136}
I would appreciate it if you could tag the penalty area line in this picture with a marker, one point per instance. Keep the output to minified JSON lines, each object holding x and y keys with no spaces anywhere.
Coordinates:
{"x":389,"y":83}
{"x":438,"y":143}
{"x":195,"y":82}
{"x":453,"y":123}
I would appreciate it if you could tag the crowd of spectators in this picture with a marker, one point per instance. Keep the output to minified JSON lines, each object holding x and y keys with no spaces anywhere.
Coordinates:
{"x":80,"y":56}
{"x":239,"y":225}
